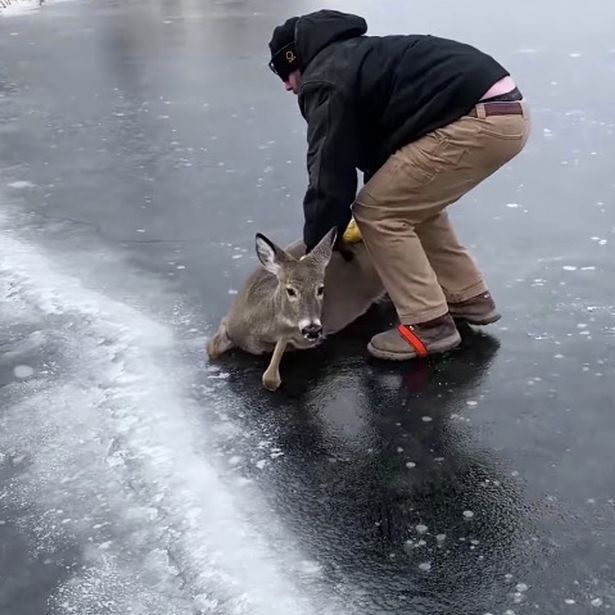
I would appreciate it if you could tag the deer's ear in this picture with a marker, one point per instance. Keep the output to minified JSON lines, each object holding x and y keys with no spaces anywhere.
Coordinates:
{"x":322,"y":252}
{"x":271,"y":256}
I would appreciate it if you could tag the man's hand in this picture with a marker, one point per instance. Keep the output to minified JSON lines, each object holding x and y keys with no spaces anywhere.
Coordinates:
{"x":352,"y":234}
{"x":343,"y":248}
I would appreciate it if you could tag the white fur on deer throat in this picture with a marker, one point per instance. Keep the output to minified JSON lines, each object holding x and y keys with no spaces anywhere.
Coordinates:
{"x":287,"y":321}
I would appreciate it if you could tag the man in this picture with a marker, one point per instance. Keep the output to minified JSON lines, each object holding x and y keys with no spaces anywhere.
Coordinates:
{"x":425,"y":119}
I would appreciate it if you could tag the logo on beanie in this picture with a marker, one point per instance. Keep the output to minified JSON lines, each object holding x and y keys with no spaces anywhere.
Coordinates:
{"x":284,"y":61}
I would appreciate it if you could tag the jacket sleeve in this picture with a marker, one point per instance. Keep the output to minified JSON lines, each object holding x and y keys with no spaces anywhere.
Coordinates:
{"x":331,"y":162}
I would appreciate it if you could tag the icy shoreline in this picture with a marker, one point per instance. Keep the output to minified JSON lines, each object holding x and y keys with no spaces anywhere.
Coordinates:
{"x":10,"y":8}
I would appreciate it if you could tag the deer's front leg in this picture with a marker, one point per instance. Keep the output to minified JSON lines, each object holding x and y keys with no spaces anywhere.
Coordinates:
{"x":271,"y":377}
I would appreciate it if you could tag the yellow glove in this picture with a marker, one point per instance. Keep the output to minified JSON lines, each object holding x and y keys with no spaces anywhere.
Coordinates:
{"x":352,"y":233}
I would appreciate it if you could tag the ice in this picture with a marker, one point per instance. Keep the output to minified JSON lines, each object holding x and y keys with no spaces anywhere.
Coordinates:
{"x":512,"y":205}
{"x":23,"y":371}
{"x":19,"y":185}
{"x":18,"y":8}
{"x":310,"y":567}
{"x":242,"y":481}
{"x":472,"y":403}
{"x":129,"y":399}
{"x":421,"y":529}
{"x":468,"y":514}
{"x":219,"y":376}
{"x":569,"y":268}
{"x":522,"y":587}
{"x":411,"y":465}
{"x":204,"y":604}
{"x":425,"y":566}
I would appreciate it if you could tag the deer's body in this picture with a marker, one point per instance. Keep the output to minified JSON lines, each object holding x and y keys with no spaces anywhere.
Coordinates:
{"x":263,"y":319}
{"x":256,"y":319}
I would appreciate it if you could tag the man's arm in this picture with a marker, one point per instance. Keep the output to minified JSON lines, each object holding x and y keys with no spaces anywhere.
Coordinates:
{"x":331,"y":161}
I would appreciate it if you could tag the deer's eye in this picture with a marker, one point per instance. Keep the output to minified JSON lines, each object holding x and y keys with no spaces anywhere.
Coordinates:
{"x":291,"y":291}
{"x":320,"y":291}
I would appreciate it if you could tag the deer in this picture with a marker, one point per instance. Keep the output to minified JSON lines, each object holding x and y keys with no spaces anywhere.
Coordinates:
{"x":294,"y":300}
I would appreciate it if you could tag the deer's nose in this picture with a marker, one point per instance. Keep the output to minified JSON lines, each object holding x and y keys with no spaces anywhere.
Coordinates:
{"x":312,"y":332}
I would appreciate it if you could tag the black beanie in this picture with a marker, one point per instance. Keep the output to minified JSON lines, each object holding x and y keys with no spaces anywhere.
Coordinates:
{"x":284,"y":59}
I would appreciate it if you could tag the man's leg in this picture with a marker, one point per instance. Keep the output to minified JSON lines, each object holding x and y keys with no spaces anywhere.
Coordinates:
{"x":401,"y":262}
{"x":455,"y":268}
{"x":412,"y":188}
{"x":463,"y":284}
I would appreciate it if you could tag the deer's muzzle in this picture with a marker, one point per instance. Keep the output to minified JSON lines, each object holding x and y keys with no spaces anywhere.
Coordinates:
{"x":312,"y":331}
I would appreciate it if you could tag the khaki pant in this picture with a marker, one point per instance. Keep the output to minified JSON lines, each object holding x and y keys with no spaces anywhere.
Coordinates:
{"x":401,"y":211}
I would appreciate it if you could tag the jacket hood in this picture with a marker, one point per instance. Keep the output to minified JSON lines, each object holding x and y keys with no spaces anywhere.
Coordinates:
{"x":315,"y":31}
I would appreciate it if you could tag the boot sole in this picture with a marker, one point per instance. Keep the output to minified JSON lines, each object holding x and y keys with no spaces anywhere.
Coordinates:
{"x":487,"y":319}
{"x":439,"y":347}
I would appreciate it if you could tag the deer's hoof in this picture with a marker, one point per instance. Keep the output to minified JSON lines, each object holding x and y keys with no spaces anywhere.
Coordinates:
{"x":218,"y":345}
{"x":210,"y":349}
{"x":271,"y":382}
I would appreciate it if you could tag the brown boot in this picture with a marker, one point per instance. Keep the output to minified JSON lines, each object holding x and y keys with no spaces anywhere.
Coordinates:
{"x":412,"y":341}
{"x":479,"y":310}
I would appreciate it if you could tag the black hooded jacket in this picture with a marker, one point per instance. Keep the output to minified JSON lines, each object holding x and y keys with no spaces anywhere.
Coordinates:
{"x":364,"y":97}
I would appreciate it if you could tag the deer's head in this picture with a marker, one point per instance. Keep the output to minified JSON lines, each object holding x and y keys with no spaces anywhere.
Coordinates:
{"x":301,"y":282}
